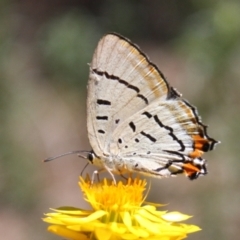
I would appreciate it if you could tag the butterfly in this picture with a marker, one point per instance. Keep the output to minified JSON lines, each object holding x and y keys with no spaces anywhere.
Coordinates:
{"x":136,"y":121}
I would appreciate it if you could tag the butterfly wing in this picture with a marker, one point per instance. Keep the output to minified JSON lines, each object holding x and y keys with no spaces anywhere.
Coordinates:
{"x":136,"y":119}
{"x":165,"y":138}
{"x":122,"y":81}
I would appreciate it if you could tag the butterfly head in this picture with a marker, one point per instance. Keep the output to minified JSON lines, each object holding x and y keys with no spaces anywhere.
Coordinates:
{"x":94,"y":159}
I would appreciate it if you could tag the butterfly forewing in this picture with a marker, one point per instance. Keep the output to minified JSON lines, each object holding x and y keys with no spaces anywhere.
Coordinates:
{"x":122,"y":81}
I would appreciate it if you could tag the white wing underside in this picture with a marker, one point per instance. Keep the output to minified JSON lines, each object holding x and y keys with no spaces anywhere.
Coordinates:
{"x":135,"y":119}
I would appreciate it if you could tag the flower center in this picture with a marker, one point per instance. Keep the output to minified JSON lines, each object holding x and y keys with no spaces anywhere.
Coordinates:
{"x":105,"y":195}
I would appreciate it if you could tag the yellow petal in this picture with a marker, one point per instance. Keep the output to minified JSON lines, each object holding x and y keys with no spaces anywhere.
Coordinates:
{"x":150,"y":226}
{"x":150,"y":215}
{"x":126,"y":219}
{"x":138,"y":231}
{"x":191,"y":228}
{"x":175,"y":217}
{"x":117,"y":228}
{"x":76,"y":220}
{"x":54,"y":214}
{"x":52,"y":220}
{"x":87,"y":227}
{"x":154,"y":204}
{"x":103,"y":233}
{"x":149,"y":207}
{"x":63,"y":232}
{"x":129,"y":236}
{"x":71,"y":211}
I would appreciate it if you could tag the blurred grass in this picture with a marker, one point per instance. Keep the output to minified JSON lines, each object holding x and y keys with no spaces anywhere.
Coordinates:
{"x":44,"y":50}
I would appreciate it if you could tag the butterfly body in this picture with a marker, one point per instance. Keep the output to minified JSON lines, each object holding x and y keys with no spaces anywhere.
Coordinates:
{"x":136,"y":121}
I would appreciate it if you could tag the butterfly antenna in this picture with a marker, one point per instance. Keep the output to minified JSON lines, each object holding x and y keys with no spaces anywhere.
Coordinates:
{"x":79,"y":153}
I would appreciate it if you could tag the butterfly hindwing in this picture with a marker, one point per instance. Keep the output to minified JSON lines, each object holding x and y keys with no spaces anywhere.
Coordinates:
{"x":164,"y":135}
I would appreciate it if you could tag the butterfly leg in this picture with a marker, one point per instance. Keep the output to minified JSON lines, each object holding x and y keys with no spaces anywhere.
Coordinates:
{"x":111,"y":174}
{"x":97,"y":172}
{"x":123,"y":176}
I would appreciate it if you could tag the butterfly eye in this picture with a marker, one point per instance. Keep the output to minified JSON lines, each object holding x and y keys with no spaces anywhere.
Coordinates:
{"x":91,"y":156}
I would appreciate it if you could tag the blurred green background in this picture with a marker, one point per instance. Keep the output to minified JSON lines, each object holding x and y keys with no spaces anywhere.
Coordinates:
{"x":44,"y":50}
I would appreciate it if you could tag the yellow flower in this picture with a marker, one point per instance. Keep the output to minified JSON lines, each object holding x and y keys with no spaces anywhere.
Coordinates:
{"x":118,"y":213}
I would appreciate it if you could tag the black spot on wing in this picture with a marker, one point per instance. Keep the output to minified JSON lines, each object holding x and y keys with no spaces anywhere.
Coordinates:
{"x":103,"y":102}
{"x":206,"y":147}
{"x":102,"y":117}
{"x":143,"y":98}
{"x":147,"y":114}
{"x":132,"y":126}
{"x":157,"y":120}
{"x":150,"y":137}
{"x":179,"y":171}
{"x":167,"y":165}
{"x":136,"y":89}
{"x":101,"y":131}
{"x":183,"y":159}
{"x":121,"y":81}
{"x":193,"y":175}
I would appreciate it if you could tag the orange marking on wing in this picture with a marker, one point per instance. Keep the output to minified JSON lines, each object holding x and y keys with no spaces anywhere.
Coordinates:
{"x":189,"y":169}
{"x":188,"y":115}
{"x":196,"y":153}
{"x":200,"y":145}
{"x":148,"y":72}
{"x":155,"y":81}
